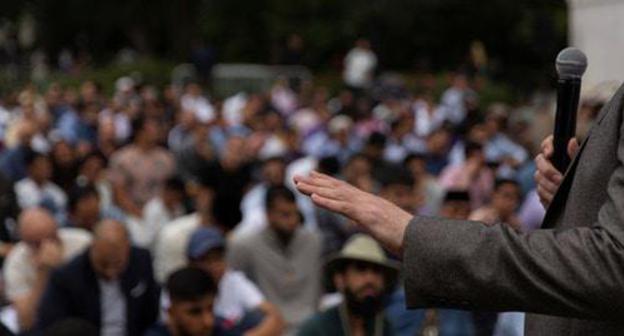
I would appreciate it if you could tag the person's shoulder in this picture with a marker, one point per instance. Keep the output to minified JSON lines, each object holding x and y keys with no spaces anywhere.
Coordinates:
{"x":124,"y":152}
{"x":74,"y":240}
{"x":187,"y":220}
{"x":234,"y":279}
{"x":69,"y":234}
{"x":17,"y":258}
{"x":481,"y":211}
{"x":320,"y":323}
{"x":25,"y":183}
{"x":309,"y":242}
{"x":163,"y":153}
{"x":141,"y":254}
{"x":180,"y":224}
{"x":55,"y":188}
{"x":244,"y":238}
{"x":310,"y":236}
{"x":155,"y":204}
{"x":352,"y":52}
{"x":76,"y":268}
{"x":234,"y":275}
{"x":158,"y":329}
{"x":139,"y":263}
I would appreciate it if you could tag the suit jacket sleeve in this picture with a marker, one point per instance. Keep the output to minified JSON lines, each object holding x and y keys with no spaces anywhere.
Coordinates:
{"x":576,"y":272}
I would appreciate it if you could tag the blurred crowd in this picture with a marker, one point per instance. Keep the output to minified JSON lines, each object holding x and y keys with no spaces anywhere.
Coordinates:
{"x":167,"y":211}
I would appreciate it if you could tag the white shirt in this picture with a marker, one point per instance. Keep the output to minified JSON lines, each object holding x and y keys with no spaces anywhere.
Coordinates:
{"x":500,"y":146}
{"x":170,"y":245}
{"x":359,"y":66}
{"x":233,"y":108}
{"x":123,"y":125}
{"x":284,"y":99}
{"x":19,"y":270}
{"x":452,"y":104}
{"x":200,"y":106}
{"x":113,"y":308}
{"x":155,"y":217}
{"x":30,"y":194}
{"x":425,"y":121}
{"x":5,"y":119}
{"x":237,"y":295}
{"x":396,"y":151}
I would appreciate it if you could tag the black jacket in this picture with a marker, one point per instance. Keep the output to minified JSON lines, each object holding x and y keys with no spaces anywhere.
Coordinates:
{"x":73,"y":291}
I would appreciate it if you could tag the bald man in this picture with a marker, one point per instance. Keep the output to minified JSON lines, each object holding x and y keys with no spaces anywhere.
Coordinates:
{"x":110,"y":285}
{"x":42,"y":248}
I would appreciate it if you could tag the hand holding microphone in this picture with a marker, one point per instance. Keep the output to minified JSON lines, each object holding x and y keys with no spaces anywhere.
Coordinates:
{"x":557,"y":150}
{"x":571,"y":64}
{"x":547,"y":176}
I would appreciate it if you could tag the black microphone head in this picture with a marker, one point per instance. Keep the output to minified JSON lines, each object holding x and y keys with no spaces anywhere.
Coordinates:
{"x":571,"y":63}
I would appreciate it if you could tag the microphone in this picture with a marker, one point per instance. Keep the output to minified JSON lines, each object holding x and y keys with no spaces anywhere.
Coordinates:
{"x":571,"y":64}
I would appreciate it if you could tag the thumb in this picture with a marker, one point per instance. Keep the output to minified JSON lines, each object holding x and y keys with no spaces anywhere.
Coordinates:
{"x":547,"y":147}
{"x":573,"y":147}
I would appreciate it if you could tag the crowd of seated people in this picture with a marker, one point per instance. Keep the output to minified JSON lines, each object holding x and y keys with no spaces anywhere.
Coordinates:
{"x":139,"y":213}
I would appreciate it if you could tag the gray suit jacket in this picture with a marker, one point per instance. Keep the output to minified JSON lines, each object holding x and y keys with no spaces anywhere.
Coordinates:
{"x":569,"y":275}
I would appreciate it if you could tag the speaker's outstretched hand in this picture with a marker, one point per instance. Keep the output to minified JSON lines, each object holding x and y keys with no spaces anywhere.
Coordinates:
{"x":381,"y":218}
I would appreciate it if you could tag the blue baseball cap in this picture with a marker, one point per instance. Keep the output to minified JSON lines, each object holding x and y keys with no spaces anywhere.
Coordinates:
{"x":202,"y":241}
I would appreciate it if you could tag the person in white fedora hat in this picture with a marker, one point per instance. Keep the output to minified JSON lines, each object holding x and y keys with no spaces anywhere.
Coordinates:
{"x":364,"y":275}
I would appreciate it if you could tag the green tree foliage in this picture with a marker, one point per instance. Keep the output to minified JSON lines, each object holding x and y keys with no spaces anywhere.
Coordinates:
{"x":521,"y":37}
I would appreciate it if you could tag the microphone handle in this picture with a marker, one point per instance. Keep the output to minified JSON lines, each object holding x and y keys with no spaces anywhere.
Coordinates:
{"x":568,"y":91}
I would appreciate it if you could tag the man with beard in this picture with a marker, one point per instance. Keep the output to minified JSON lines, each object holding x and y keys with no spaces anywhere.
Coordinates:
{"x":282,"y":259}
{"x":363,"y":274}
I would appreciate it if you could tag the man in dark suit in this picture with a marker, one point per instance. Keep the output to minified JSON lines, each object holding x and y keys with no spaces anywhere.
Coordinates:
{"x":569,"y":275}
{"x":110,"y":285}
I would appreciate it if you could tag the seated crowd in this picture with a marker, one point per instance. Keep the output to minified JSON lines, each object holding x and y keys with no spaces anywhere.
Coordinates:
{"x":175,"y":213}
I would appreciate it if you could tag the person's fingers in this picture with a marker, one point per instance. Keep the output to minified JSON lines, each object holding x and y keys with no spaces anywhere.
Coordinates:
{"x":548,"y":147}
{"x":307,"y":177}
{"x":301,"y":181}
{"x":308,"y":189}
{"x":325,"y":180}
{"x":318,"y":179}
{"x":330,"y":204}
{"x":547,"y":140}
{"x":573,"y":147}
{"x":543,"y":194}
{"x":303,"y":188}
{"x":300,"y":178}
{"x":545,"y":183}
{"x":312,"y":180}
{"x":545,"y":197}
{"x":546,"y":168}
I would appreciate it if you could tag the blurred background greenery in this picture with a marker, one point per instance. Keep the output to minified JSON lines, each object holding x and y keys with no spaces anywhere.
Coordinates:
{"x":521,"y":38}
